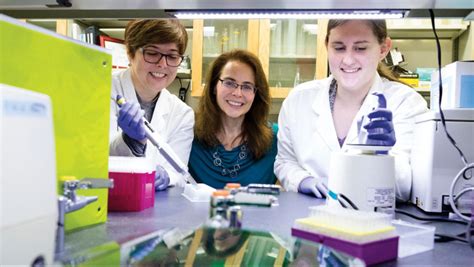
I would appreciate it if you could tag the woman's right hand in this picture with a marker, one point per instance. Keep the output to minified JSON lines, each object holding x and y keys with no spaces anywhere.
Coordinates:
{"x":380,"y":128}
{"x":130,"y":120}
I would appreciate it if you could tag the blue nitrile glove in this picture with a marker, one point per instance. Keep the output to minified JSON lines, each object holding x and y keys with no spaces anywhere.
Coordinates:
{"x":162,"y":179}
{"x":130,"y":119}
{"x":380,"y":128}
{"x":313,"y":186}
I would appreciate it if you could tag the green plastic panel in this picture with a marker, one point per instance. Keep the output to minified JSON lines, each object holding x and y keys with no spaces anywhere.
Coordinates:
{"x":104,"y":255}
{"x":78,"y":79}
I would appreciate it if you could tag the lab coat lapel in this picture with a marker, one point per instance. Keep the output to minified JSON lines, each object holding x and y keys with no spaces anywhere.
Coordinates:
{"x":324,"y":125}
{"x":128,"y":89}
{"x":161,"y":112}
{"x":366,"y":108}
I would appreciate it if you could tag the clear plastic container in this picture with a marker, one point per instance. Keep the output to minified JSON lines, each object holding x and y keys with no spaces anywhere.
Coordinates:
{"x":198,"y":192}
{"x":414,"y":238}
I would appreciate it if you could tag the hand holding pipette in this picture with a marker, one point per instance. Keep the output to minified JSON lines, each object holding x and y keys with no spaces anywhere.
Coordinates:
{"x":376,"y":128}
{"x":165,"y":150}
{"x":130,"y":119}
{"x":380,"y":128}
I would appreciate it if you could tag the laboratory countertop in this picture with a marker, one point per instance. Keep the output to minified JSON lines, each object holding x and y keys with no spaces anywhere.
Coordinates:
{"x":173,"y":210}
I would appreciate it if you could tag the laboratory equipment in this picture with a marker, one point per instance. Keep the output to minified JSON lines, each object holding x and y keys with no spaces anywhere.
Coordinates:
{"x":134,"y":180}
{"x":271,"y":189}
{"x":458,"y":81}
{"x":165,"y":150}
{"x":369,"y":236}
{"x":192,"y":190}
{"x":224,"y":206}
{"x":435,"y":162}
{"x":376,"y":128}
{"x":79,"y":95}
{"x":254,"y":194}
{"x":70,"y":201}
{"x":363,"y":175}
{"x":29,"y":208}
{"x":413,"y":238}
{"x":198,"y":192}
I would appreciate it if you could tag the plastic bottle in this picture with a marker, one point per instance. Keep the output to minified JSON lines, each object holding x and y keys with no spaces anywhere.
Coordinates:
{"x":233,"y":188}
{"x":297,"y":77}
{"x":225,"y":41}
{"x":219,"y":199}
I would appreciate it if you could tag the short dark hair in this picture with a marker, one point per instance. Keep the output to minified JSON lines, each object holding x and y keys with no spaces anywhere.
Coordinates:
{"x":139,"y":33}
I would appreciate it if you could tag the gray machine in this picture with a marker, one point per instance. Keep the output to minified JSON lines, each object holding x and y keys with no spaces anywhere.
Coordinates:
{"x":436,"y":162}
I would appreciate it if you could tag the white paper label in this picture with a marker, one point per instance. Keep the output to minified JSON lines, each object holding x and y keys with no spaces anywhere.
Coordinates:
{"x":381,"y":197}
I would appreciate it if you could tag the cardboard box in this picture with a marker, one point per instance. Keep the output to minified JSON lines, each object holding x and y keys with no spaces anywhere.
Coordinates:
{"x":409,"y":78}
{"x":458,"y":86}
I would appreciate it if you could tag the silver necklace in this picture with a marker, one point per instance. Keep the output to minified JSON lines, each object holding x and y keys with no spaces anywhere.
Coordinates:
{"x":234,"y":170}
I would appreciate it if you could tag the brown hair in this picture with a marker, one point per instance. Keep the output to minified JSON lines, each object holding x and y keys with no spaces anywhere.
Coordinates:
{"x":255,"y":128}
{"x":139,"y":33}
{"x":379,"y":29}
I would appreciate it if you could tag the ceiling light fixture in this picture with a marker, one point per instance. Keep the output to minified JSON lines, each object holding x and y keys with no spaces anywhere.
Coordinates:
{"x":287,"y":14}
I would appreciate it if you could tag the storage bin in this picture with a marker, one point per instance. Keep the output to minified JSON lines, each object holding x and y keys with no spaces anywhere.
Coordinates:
{"x":414,"y":238}
{"x":134,"y":184}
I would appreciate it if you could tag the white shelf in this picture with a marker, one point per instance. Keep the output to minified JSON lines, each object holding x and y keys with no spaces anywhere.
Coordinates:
{"x":184,"y":74}
{"x":422,"y":29}
{"x":290,"y":57}
{"x":425,"y":24}
{"x":422,"y":90}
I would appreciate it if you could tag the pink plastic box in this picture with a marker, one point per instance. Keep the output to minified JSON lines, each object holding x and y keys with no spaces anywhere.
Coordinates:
{"x":134,"y":184}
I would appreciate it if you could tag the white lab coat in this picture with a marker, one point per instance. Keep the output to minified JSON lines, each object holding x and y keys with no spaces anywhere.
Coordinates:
{"x":307,"y":135}
{"x":172,"y":119}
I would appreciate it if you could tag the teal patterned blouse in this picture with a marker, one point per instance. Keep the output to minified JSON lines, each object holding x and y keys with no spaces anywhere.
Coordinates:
{"x":216,"y":166}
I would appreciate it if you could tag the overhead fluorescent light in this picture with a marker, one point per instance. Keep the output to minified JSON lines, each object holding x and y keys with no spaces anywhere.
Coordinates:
{"x":287,"y":14}
{"x":42,"y":20}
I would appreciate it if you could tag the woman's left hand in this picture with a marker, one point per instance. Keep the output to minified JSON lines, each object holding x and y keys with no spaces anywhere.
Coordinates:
{"x":162,"y":179}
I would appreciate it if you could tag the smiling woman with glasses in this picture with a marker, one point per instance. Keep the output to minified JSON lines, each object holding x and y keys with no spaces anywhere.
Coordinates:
{"x":247,"y":88}
{"x":155,"y":49}
{"x":234,"y":142}
{"x":153,"y":56}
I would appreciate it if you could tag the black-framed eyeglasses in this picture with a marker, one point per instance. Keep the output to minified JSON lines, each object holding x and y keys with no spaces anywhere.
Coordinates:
{"x":152,"y":56}
{"x":246,"y":88}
